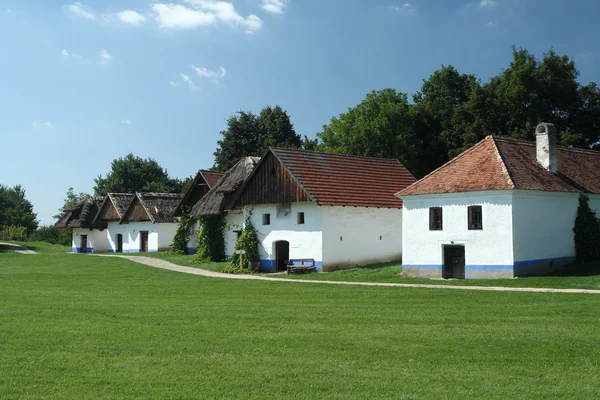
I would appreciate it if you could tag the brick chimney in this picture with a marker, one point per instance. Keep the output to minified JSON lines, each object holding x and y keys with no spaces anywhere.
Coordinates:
{"x":547,"y":149}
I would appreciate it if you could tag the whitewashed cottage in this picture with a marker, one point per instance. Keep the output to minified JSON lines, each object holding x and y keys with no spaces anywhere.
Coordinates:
{"x":504,"y":208}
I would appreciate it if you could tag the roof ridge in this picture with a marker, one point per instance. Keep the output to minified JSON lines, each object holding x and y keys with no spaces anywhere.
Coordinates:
{"x":452,"y":161}
{"x":333,"y":154}
{"x":532,"y":143}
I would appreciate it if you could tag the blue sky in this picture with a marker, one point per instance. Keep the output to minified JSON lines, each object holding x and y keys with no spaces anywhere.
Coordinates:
{"x":83,"y":83}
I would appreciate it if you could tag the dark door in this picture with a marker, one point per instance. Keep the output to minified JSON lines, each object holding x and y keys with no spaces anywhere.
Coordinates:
{"x":282,"y":255}
{"x":144,"y":242}
{"x":454,"y":262}
{"x":84,"y":243}
{"x":119,"y":243}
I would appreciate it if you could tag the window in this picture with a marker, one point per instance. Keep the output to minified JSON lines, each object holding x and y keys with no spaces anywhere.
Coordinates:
{"x":300,"y":218}
{"x":435,"y":219}
{"x":475,"y":218}
{"x":266,"y":219}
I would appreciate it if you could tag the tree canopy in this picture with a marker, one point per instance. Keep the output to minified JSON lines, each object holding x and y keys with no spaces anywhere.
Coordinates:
{"x":15,"y":209}
{"x":132,"y":174}
{"x":248,"y":134}
{"x":71,"y":200}
{"x":453,"y":111}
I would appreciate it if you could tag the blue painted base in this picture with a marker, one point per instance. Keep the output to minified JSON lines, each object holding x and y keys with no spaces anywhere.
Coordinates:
{"x":80,"y":250}
{"x":518,"y":269}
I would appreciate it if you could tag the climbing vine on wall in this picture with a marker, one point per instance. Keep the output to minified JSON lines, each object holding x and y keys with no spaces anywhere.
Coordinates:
{"x":587,"y":232}
{"x":211,"y":242}
{"x":183,"y":234}
{"x":248,"y":241}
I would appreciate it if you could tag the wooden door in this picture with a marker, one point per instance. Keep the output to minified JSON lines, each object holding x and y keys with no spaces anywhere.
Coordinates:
{"x":119,"y":243}
{"x":84,"y":243}
{"x":144,"y":242}
{"x":282,"y":255}
{"x":454,"y":262}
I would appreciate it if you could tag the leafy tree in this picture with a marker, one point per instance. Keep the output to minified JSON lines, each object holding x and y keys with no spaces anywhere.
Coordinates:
{"x":135,"y":174}
{"x":15,"y":209}
{"x":310,"y":144}
{"x":382,"y":125}
{"x":248,"y":134}
{"x":71,"y":200}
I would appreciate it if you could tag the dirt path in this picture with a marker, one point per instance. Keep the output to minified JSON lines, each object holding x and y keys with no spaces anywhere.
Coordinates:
{"x":16,"y":248}
{"x":162,"y":264}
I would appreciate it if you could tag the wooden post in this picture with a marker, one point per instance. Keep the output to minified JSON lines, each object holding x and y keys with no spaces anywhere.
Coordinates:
{"x":241,"y":253}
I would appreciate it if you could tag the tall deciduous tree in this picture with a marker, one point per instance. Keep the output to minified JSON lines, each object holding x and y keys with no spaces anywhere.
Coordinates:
{"x":132,"y":174}
{"x":15,"y":209}
{"x":71,"y":200}
{"x":248,"y":134}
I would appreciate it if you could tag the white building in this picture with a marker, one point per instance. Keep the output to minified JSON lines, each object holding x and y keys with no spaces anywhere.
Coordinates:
{"x":336,"y":210}
{"x":502,"y":209}
{"x":88,"y":236}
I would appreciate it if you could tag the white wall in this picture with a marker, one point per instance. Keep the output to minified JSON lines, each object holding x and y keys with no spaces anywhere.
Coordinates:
{"x":96,"y":240}
{"x":305,"y":239}
{"x":234,"y":221}
{"x":134,"y":237}
{"x":114,"y":228}
{"x":368,"y":236}
{"x":488,"y":252}
{"x":166,"y":233}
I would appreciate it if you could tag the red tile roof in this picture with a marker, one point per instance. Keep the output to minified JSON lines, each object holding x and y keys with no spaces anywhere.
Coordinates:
{"x":498,"y":163}
{"x":211,"y":177}
{"x":343,"y":180}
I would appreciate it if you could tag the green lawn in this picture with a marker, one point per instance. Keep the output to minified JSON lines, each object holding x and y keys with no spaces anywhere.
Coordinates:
{"x":83,"y":327}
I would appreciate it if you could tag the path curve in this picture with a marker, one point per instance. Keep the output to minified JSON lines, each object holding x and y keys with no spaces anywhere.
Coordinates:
{"x":17,"y":249}
{"x":162,"y":264}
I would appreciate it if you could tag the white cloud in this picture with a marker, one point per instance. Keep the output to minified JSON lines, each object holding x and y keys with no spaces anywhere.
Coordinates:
{"x":203,"y":13}
{"x":44,"y":124}
{"x":66,"y":54}
{"x":274,"y":6}
{"x":80,"y":10}
{"x":8,"y":11}
{"x":175,"y":16}
{"x":189,"y":82}
{"x":131,"y":17}
{"x":126,"y":122}
{"x":214,"y":76}
{"x":405,"y":9}
{"x":491,"y":24}
{"x":487,"y":3}
{"x":105,"y":57}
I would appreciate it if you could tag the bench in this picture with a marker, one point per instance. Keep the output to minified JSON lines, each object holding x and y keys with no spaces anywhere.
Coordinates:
{"x":301,"y":266}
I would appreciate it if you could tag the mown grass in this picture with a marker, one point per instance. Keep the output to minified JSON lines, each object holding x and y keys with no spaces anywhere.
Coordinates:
{"x":81,"y":327}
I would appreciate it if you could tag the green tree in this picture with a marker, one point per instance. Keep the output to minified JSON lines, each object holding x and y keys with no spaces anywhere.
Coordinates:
{"x":132,"y":174}
{"x":248,"y":134}
{"x":382,"y":125}
{"x":71,"y":200}
{"x":15,"y":209}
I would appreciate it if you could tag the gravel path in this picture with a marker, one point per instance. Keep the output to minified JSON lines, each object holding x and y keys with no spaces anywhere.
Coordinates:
{"x":16,"y":248}
{"x":162,"y":264}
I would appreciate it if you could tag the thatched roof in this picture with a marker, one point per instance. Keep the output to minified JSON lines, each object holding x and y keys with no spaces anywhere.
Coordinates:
{"x":160,"y":207}
{"x":120,"y":202}
{"x":218,"y":198}
{"x":202,"y":183}
{"x":82,"y":215}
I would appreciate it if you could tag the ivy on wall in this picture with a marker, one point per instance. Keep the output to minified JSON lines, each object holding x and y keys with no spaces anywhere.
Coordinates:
{"x":587,"y":232}
{"x":248,"y":241}
{"x":211,"y":242}
{"x":183,"y":234}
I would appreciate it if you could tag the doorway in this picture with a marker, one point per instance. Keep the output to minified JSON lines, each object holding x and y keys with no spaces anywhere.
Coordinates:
{"x":144,"y":242}
{"x":282,"y":254}
{"x":119,"y":243}
{"x":84,"y":243}
{"x":454,"y":262}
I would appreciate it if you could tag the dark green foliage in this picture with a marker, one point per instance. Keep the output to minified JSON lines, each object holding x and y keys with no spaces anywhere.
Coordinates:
{"x":453,"y":111}
{"x":587,"y":233}
{"x":211,"y":242}
{"x":248,"y":241}
{"x":48,"y":234}
{"x":132,"y":174}
{"x":71,"y":200}
{"x":183,"y":234}
{"x":248,"y":134}
{"x":65,"y":237}
{"x":15,"y":209}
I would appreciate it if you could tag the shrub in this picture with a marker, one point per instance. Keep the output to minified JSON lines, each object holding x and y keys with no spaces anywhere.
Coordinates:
{"x":211,"y":242}
{"x":18,"y":233}
{"x":587,"y":232}
{"x":183,"y":234}
{"x":65,"y":237}
{"x":47,"y":234}
{"x":248,"y":241}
